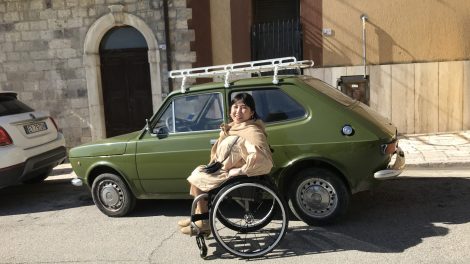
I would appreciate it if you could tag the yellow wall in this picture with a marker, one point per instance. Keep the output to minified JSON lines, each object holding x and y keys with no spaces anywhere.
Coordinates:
{"x":398,"y":31}
{"x":221,"y":32}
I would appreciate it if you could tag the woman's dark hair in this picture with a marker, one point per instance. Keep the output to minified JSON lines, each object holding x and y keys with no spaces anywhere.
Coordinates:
{"x":248,"y":100}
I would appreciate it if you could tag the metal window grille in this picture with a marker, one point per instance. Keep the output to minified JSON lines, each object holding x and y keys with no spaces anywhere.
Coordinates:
{"x":281,"y":38}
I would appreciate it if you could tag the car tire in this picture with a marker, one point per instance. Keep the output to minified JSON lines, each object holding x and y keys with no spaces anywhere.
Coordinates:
{"x":318,"y":196}
{"x":112,"y":195}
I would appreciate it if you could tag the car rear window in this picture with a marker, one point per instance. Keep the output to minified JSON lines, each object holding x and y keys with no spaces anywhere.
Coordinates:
{"x":9,"y":105}
{"x":273,"y":105}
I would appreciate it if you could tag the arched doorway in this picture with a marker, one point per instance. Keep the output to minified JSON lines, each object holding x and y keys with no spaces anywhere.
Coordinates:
{"x":125,"y":77}
{"x":91,"y":61}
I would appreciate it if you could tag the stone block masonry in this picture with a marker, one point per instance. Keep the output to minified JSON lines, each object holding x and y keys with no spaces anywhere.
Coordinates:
{"x":42,"y":52}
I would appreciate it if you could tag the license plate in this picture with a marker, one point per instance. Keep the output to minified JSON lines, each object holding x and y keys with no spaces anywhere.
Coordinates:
{"x":34,"y":128}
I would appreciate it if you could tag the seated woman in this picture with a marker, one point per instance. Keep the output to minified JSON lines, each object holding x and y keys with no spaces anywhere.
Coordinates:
{"x":242,"y":149}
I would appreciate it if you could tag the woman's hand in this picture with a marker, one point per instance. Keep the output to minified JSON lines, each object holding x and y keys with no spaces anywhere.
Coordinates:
{"x":234,"y":172}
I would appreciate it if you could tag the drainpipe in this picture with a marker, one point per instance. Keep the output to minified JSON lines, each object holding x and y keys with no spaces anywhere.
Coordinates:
{"x":168,"y":43}
{"x":364,"y":19}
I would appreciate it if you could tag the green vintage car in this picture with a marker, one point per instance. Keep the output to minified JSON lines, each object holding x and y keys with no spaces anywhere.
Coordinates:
{"x":326,"y":147}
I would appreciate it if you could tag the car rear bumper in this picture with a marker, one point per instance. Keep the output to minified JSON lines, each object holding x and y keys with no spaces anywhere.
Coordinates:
{"x":394,"y":170}
{"x":32,"y":167}
{"x":10,"y":175}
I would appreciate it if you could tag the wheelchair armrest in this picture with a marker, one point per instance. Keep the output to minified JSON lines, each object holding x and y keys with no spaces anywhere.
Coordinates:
{"x":242,"y":178}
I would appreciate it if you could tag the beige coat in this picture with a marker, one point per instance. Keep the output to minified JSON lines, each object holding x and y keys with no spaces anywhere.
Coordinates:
{"x":250,"y":155}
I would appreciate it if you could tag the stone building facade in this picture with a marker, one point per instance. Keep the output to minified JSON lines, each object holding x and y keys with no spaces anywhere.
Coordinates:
{"x":50,"y":54}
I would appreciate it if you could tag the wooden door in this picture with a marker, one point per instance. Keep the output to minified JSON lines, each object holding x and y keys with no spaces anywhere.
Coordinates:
{"x":127,"y":93}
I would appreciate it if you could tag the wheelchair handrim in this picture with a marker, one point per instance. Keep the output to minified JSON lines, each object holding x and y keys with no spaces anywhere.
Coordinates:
{"x":268,"y":249}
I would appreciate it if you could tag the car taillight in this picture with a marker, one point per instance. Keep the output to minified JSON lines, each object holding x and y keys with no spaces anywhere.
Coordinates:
{"x":55,"y":124}
{"x":5,"y":139}
{"x":390,"y":148}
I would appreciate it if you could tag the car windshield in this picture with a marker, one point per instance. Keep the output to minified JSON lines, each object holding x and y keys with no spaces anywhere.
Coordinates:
{"x":9,"y":105}
{"x":192,"y":113}
{"x":330,"y":91}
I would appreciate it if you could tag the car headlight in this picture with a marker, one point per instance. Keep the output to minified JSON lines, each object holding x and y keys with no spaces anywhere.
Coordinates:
{"x":347,"y":130}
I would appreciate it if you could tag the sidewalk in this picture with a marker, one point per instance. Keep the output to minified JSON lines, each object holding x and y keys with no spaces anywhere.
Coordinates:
{"x":440,"y":150}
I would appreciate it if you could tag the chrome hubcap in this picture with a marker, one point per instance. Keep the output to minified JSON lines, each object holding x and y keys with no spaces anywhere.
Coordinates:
{"x":111,"y":195}
{"x":316,"y":197}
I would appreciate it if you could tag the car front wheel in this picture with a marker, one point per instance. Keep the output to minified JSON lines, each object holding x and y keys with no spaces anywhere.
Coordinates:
{"x":318,"y":196}
{"x":111,"y":195}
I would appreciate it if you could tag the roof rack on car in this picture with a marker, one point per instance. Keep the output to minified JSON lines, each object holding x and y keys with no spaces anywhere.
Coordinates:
{"x":226,"y":70}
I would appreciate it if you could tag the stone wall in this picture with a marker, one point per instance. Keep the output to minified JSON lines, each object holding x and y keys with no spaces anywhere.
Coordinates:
{"x":42,"y":46}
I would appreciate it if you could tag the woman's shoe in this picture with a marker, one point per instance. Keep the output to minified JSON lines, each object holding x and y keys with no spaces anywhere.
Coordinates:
{"x":204,"y":229}
{"x":184,"y":222}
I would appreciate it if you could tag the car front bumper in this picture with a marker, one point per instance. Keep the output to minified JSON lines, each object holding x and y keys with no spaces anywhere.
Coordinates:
{"x":394,"y":170}
{"x":77,"y":182}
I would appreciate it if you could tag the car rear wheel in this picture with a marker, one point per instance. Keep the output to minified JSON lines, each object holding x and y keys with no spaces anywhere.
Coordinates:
{"x":111,"y":195}
{"x":318,"y":196}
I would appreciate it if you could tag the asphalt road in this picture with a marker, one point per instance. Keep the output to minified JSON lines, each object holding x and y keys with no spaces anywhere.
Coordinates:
{"x":422,"y":217}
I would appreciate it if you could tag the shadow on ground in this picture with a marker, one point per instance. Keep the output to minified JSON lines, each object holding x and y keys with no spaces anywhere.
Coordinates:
{"x":396,"y":216}
{"x":50,"y":195}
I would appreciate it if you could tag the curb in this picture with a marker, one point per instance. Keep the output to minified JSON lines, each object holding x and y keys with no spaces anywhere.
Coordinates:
{"x":438,"y":165}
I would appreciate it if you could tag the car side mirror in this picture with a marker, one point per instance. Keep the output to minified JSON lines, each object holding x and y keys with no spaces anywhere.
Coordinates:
{"x":162,"y":132}
{"x":147,"y":127}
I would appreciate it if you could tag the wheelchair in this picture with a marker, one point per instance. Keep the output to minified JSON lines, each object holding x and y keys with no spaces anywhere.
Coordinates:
{"x":246,"y":215}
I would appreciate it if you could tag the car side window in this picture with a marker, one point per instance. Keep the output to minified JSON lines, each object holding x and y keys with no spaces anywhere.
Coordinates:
{"x":193,"y":113}
{"x":273,"y":105}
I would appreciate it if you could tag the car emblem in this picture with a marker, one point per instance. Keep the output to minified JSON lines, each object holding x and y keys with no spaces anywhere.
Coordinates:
{"x":32,"y":116}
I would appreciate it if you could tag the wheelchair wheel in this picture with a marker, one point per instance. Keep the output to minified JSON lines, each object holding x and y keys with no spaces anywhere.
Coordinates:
{"x":248,"y":219}
{"x":225,"y":213}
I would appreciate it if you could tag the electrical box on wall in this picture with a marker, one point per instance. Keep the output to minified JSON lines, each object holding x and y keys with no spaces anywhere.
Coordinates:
{"x":327,"y":32}
{"x":356,"y":87}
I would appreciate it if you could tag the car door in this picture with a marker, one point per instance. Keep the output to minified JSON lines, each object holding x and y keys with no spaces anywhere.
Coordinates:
{"x":283,"y":116}
{"x":181,"y":138}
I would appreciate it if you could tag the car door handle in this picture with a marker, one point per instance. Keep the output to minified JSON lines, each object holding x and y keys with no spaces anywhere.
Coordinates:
{"x":213,"y":141}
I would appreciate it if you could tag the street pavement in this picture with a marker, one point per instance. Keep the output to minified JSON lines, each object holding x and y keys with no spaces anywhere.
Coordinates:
{"x":421,"y":217}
